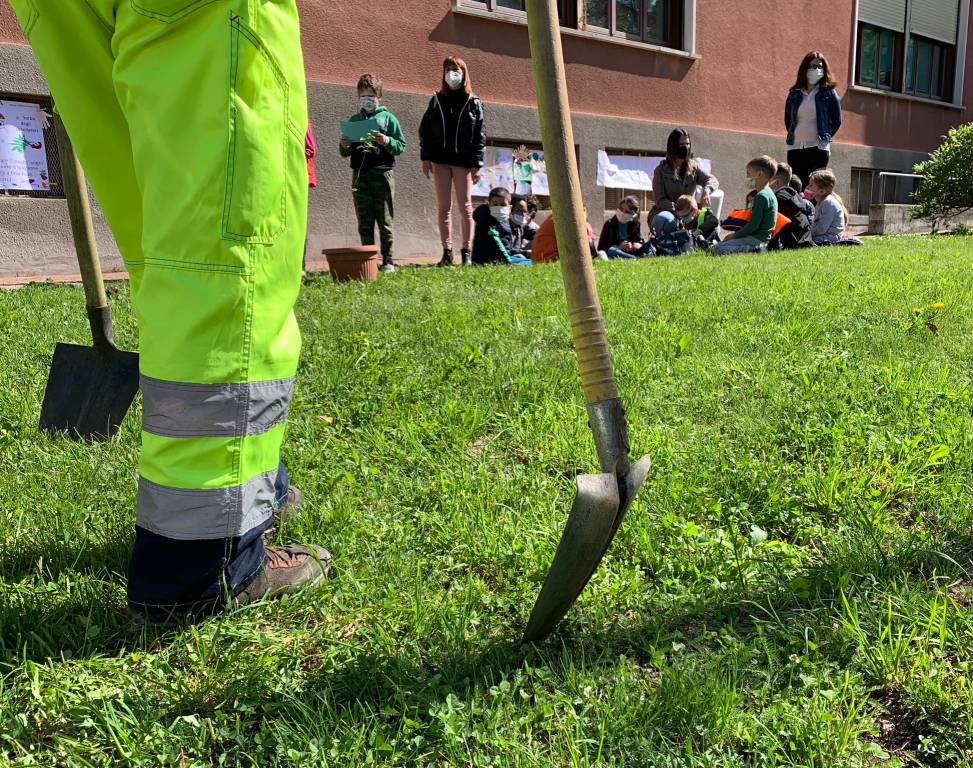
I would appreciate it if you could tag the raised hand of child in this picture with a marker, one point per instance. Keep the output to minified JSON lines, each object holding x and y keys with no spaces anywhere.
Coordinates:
{"x":380,"y":138}
{"x":345,"y":143}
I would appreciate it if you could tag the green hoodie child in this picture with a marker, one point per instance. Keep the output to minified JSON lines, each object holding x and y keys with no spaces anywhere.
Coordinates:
{"x":373,"y":161}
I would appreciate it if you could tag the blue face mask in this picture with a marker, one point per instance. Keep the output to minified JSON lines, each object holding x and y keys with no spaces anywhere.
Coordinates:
{"x":368,"y":104}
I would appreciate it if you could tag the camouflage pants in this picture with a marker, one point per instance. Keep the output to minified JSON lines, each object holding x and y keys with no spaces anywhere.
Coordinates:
{"x":373,"y":204}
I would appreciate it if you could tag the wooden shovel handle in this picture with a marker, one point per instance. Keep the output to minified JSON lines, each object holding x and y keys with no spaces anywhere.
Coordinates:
{"x":584,"y":308}
{"x":79,"y":210}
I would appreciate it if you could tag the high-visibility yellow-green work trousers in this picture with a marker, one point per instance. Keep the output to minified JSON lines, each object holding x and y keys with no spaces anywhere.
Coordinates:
{"x":188,"y":117}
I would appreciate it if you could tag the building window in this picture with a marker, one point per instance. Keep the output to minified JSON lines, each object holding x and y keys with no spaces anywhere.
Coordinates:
{"x":650,"y":21}
{"x":658,"y":22}
{"x":878,"y":57}
{"x":566,"y":9}
{"x":909,"y":46}
{"x":929,"y":69}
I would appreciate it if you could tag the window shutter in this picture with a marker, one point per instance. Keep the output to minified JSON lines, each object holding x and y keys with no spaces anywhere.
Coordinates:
{"x":936,"y":19}
{"x":889,"y":14}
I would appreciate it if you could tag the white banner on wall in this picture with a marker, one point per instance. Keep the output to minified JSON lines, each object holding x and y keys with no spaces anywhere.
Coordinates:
{"x":23,"y":158}
{"x":626,"y":171}
{"x":631,"y":171}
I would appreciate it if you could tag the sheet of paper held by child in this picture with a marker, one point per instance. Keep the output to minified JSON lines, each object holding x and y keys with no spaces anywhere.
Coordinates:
{"x":358,"y":130}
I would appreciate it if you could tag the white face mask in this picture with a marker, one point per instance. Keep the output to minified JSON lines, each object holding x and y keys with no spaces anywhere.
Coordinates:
{"x":500,"y":212}
{"x":751,"y":182}
{"x":454,"y":79}
{"x":624,"y":217}
{"x":815,"y":75}
{"x":518,"y":218}
{"x":367,"y":103}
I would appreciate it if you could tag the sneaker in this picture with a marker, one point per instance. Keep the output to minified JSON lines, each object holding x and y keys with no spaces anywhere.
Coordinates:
{"x":290,"y":508}
{"x":388,"y":267}
{"x":288,"y":570}
{"x":602,"y":256}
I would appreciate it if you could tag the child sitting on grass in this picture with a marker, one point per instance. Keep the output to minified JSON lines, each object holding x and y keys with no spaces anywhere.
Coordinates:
{"x":828,"y":224}
{"x":522,"y":214}
{"x":493,"y":238}
{"x":701,"y":223}
{"x":621,"y":236}
{"x":544,"y":249}
{"x":755,"y":234}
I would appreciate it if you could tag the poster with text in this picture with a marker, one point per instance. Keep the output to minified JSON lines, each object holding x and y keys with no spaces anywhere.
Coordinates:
{"x":23,"y":157}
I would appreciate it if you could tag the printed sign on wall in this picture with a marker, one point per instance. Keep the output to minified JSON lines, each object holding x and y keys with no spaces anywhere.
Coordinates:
{"x":23,"y":156}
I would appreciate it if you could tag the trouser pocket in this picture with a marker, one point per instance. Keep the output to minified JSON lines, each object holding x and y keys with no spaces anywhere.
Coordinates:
{"x":167,"y":11}
{"x":255,"y":202}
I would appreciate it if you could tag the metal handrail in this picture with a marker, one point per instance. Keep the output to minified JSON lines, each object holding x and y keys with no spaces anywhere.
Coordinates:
{"x":883,"y":175}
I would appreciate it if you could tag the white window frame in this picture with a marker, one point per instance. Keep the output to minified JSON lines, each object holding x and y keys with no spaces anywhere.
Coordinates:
{"x":961,"y":53}
{"x":488,"y":9}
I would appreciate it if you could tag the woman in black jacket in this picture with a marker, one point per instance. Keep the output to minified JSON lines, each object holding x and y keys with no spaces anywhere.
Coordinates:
{"x":452,"y":137}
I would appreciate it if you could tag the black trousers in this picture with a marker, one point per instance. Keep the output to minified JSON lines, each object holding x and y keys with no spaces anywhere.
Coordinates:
{"x":806,"y":161}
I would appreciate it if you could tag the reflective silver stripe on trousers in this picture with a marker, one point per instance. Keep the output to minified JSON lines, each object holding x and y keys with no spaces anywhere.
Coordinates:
{"x":179,"y":409}
{"x":211,"y":513}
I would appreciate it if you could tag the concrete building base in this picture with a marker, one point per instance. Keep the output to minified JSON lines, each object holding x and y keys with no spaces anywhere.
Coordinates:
{"x":35,"y":235}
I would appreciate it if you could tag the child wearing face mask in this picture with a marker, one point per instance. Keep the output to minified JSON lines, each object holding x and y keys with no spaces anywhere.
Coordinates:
{"x":522,"y":224}
{"x":493,"y":240}
{"x":701,"y":223}
{"x":756,"y":233}
{"x":373,"y":161}
{"x":812,"y":116}
{"x":621,"y":236}
{"x":452,"y":141}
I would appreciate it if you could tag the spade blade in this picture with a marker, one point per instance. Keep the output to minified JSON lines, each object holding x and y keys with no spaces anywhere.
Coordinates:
{"x":89,"y":391}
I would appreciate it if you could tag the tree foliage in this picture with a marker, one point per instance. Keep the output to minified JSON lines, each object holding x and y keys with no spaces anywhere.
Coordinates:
{"x":947,"y":186}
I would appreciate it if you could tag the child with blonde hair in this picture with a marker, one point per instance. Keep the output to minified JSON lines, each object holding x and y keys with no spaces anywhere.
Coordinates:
{"x":830,"y":214}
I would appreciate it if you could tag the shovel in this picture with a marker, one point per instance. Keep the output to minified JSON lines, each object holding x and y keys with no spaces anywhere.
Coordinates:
{"x":601,"y":500}
{"x":89,"y":389}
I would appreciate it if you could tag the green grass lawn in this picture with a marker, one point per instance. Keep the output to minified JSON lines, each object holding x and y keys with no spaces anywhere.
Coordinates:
{"x":792,"y":587}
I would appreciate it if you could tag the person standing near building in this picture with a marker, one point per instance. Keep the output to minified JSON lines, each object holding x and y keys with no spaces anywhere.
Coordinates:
{"x":677,"y":175}
{"x":373,"y":166}
{"x":812,"y":116}
{"x":452,"y":138}
{"x":211,"y":95}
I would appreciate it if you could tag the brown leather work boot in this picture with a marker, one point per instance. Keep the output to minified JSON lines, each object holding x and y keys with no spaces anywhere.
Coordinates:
{"x":288,"y":570}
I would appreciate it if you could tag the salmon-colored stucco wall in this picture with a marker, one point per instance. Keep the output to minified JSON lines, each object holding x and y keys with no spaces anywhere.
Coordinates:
{"x":749,"y":56}
{"x":749,"y":53}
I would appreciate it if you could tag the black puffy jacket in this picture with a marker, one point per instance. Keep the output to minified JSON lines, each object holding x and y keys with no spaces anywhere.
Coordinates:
{"x":453,"y":130}
{"x":797,"y":234}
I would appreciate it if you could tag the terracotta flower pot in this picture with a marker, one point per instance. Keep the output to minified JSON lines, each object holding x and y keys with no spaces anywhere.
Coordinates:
{"x":353,"y":262}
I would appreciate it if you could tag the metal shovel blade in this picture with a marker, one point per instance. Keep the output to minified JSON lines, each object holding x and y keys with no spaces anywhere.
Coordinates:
{"x":599,"y":506}
{"x":89,"y":391}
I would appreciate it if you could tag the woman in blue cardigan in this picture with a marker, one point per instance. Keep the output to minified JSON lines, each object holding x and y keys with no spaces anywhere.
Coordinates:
{"x":812,"y":116}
